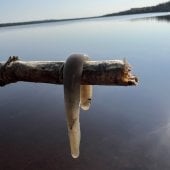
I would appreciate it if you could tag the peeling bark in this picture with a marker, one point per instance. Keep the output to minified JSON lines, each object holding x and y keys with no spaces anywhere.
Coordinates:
{"x":107,"y":72}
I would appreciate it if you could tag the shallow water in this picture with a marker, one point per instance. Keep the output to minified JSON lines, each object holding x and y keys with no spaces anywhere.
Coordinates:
{"x":126,"y":127}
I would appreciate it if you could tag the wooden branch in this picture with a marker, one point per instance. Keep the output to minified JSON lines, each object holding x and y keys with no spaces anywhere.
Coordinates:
{"x":109,"y":72}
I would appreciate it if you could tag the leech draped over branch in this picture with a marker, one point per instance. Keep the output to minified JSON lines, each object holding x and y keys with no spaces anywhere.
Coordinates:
{"x":107,"y":72}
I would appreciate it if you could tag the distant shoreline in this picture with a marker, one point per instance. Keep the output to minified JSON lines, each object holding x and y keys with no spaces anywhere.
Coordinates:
{"x":44,"y":21}
{"x":58,"y":20}
{"x":160,"y":8}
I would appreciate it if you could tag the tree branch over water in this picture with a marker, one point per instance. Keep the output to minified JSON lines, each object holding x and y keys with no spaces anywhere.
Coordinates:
{"x":107,"y":72}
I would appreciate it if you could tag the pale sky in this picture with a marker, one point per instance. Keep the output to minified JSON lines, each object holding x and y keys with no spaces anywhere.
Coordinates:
{"x":24,"y":10}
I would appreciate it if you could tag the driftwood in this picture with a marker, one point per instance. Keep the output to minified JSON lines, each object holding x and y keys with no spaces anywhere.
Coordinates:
{"x":108,"y":72}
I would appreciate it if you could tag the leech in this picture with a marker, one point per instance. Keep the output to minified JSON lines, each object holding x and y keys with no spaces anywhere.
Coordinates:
{"x":72,"y":72}
{"x":86,"y":96}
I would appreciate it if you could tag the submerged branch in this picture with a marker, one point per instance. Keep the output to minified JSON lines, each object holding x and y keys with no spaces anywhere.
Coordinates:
{"x":108,"y":72}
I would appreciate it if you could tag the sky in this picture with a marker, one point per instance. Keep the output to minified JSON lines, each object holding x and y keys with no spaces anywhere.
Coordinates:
{"x":25,"y":10}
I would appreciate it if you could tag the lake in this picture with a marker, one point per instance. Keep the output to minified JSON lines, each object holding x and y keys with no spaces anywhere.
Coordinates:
{"x":126,"y":128}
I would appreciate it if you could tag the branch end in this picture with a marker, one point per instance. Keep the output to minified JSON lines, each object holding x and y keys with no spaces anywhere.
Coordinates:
{"x":127,"y":77}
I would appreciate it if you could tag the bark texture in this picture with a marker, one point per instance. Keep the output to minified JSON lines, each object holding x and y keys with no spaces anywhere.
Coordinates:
{"x":107,"y":72}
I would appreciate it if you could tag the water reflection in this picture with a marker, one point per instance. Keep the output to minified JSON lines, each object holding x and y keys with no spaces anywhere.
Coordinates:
{"x":163,"y":18}
{"x":126,"y":127}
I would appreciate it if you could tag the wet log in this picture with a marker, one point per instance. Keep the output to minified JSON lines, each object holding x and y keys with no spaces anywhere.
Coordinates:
{"x":107,"y":72}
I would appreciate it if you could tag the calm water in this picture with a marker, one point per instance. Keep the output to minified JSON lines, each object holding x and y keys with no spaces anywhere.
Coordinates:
{"x":127,"y":128}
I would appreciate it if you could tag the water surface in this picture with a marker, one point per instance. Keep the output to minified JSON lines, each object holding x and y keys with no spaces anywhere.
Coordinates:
{"x":125,"y":128}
